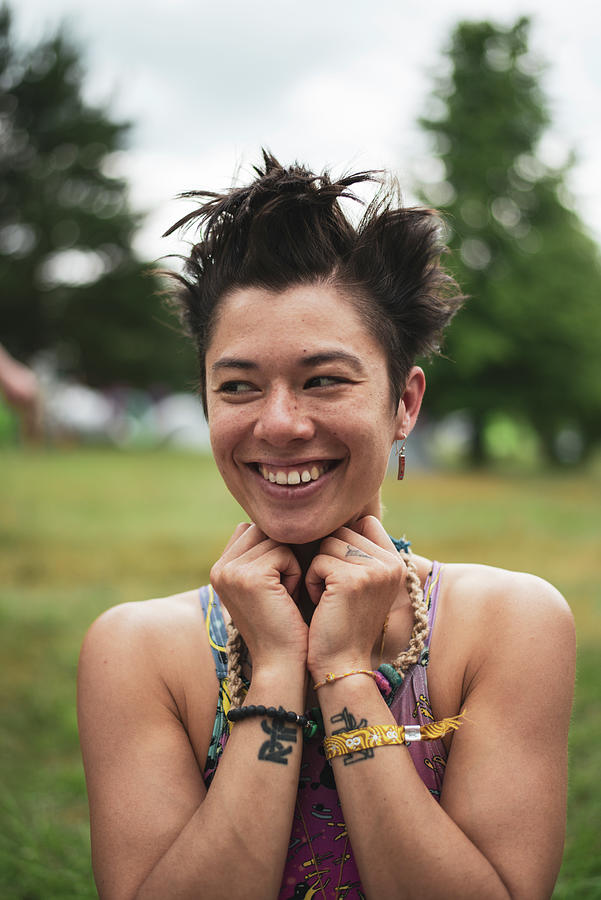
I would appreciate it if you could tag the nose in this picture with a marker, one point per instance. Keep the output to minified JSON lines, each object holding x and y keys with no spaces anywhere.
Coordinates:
{"x":282,"y":419}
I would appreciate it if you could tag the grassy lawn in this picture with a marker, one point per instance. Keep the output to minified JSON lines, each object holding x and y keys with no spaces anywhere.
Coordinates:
{"x":82,"y":530}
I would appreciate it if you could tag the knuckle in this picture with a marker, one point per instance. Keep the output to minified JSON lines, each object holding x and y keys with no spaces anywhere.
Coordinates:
{"x":396,"y":566}
{"x":246,"y":579}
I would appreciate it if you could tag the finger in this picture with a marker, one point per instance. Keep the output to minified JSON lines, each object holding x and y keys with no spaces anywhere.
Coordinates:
{"x":282,"y":568}
{"x":370,"y":529}
{"x":238,"y":532}
{"x":347,"y":550}
{"x":256,"y":551}
{"x":315,"y":580}
{"x":346,"y":538}
{"x":245,"y":537}
{"x":315,"y":587}
{"x":291,"y":574}
{"x":322,"y":568}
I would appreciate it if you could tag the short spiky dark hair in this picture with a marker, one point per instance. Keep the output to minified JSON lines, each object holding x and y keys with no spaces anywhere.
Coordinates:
{"x":287,"y":227}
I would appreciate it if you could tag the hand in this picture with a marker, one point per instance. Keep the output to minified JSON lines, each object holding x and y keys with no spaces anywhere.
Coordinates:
{"x":353,"y":581}
{"x":257,"y":578}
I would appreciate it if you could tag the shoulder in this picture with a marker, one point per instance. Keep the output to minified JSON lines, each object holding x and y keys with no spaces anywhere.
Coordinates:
{"x":493,"y":624}
{"x":494,"y":620}
{"x":494,"y":597}
{"x":148,"y":646}
{"x":146,"y":624}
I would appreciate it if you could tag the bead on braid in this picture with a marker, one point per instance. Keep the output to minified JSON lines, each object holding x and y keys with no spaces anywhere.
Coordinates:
{"x":236,"y":650}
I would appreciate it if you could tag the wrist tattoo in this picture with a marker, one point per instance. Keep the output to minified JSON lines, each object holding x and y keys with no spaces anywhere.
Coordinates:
{"x":349,"y":723}
{"x":353,"y":551}
{"x":280,"y":733}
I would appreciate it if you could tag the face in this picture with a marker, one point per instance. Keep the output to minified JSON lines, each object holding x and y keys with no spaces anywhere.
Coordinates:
{"x":300,"y":411}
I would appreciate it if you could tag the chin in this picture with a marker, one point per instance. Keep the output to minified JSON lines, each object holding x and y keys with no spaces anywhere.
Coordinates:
{"x":297,"y":532}
{"x":296,"y":535}
{"x":308,"y":530}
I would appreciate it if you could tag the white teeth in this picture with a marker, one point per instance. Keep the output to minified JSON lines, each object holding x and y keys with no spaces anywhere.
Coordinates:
{"x":294,"y":476}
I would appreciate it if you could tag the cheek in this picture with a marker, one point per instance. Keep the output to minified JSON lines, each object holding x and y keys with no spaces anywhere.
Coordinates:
{"x":372,"y":426}
{"x":224,"y":435}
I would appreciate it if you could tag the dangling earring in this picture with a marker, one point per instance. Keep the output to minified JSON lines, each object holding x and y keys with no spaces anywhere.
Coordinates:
{"x":401,"y":455}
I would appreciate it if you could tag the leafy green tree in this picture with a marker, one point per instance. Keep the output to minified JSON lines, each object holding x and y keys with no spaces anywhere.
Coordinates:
{"x":69,"y":281}
{"x":528,"y":342}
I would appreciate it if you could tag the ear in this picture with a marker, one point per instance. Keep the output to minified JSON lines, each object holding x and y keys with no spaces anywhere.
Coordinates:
{"x":410,"y":402}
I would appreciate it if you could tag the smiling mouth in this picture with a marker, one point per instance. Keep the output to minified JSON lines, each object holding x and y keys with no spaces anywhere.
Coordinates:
{"x":301,"y":474}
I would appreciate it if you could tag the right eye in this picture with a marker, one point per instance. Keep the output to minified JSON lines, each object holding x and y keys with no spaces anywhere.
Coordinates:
{"x":236,"y":387}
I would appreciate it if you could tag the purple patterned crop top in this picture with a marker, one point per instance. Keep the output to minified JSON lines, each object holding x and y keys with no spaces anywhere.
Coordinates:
{"x":320,"y":859}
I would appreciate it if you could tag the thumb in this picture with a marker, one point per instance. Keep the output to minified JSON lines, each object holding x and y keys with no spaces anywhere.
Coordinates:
{"x":290,"y":573}
{"x":315,"y":578}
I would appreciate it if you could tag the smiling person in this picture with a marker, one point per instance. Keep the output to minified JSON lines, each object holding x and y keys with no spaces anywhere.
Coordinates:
{"x":333,"y":716}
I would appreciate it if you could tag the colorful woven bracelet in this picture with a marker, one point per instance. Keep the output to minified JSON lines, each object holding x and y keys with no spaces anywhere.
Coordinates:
{"x":385,"y":735}
{"x":237,"y":714}
{"x":331,"y":677}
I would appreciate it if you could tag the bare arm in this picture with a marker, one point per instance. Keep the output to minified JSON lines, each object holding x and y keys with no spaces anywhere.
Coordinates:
{"x":156,"y":831}
{"x":498,"y":831}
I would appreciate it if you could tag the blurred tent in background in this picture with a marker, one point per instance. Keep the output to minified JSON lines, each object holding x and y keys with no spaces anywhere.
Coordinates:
{"x":39,"y":408}
{"x":526,"y":350}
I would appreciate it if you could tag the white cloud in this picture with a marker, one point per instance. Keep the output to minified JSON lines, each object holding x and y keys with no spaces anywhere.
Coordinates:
{"x":336,"y":83}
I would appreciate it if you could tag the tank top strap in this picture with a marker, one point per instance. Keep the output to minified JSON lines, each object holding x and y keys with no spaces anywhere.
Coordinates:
{"x":431,"y":592}
{"x":215,"y":628}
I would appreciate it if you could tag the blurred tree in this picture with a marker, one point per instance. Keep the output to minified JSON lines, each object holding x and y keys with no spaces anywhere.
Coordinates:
{"x":528,"y":343}
{"x":69,"y":281}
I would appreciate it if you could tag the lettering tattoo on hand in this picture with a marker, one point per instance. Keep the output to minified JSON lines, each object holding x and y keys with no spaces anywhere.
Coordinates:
{"x":349,"y":723}
{"x":280,"y":732}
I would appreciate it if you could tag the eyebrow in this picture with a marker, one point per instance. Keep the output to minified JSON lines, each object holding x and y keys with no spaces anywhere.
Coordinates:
{"x":233,"y":362}
{"x":315,"y":359}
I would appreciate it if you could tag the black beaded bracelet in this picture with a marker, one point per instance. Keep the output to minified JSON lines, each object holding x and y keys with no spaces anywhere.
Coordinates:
{"x":237,"y":714}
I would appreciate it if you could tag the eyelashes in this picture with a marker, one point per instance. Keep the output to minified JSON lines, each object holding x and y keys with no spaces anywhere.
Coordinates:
{"x":236,"y":388}
{"x":241,"y":388}
{"x":326,"y":381}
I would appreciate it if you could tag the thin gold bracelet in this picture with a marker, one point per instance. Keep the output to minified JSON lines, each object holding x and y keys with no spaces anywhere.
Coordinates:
{"x":331,"y":677}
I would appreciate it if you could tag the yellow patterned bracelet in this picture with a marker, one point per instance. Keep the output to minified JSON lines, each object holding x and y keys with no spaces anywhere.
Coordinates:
{"x":331,"y":677}
{"x":385,"y":735}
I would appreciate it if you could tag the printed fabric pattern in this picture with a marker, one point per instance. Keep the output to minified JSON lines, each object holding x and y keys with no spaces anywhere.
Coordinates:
{"x":320,"y":861}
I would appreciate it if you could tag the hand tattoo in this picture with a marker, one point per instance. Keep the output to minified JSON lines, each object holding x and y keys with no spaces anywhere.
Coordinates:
{"x":353,"y":551}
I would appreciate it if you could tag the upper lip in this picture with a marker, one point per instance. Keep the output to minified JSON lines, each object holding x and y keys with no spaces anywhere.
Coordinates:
{"x":292,"y":463}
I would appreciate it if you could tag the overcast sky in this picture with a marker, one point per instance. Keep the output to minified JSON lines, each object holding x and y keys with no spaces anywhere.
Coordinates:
{"x":335,"y":82}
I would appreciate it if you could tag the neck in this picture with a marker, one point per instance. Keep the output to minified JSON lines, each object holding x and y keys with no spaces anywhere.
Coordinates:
{"x":305,"y":554}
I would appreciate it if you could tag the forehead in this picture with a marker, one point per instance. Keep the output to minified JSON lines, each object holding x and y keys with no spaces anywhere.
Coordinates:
{"x":298,"y":320}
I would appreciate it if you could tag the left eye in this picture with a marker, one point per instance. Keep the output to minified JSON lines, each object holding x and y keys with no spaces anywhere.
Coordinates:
{"x":324,"y":381}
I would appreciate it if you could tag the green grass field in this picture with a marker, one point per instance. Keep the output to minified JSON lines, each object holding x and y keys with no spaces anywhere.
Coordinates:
{"x":81,"y":530}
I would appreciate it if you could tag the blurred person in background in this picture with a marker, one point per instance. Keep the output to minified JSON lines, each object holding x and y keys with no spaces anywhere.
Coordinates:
{"x":19,"y":387}
{"x":334,"y":715}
